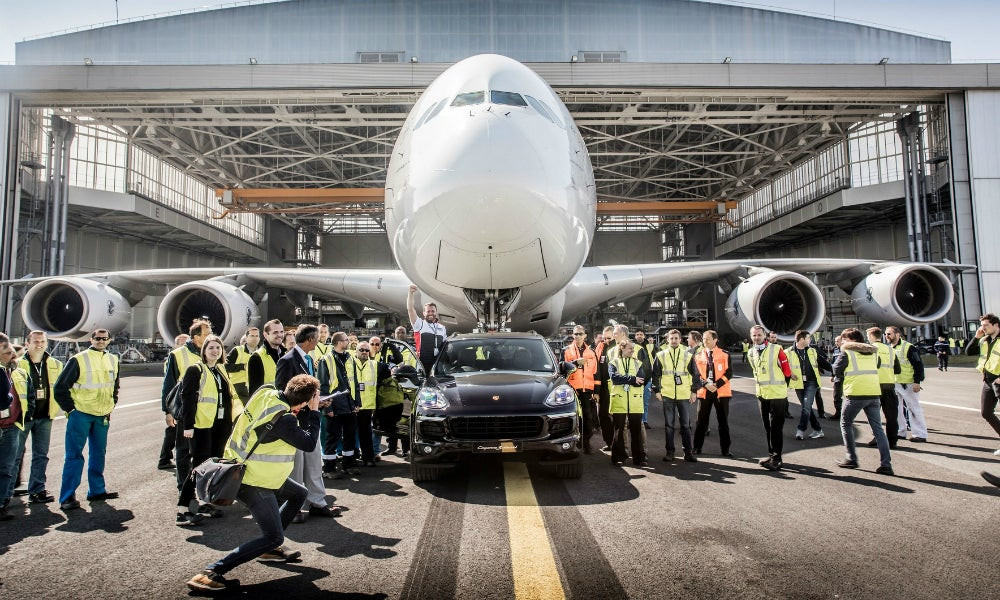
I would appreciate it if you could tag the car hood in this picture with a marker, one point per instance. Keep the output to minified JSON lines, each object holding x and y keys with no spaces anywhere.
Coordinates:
{"x":498,"y":389}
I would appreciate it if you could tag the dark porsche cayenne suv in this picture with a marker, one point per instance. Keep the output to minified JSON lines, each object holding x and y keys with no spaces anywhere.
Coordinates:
{"x":494,"y":394}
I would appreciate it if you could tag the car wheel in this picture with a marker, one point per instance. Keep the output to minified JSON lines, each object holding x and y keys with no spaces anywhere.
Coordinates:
{"x":571,"y":470}
{"x":420,"y":472}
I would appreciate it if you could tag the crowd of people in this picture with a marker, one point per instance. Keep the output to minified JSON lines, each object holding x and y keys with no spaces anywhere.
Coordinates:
{"x":301,"y":405}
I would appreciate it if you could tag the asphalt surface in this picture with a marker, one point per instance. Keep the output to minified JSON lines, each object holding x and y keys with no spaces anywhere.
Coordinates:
{"x":721,"y":528}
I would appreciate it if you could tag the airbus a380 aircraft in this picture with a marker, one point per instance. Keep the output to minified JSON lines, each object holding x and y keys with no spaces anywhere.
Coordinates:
{"x":490,"y":209}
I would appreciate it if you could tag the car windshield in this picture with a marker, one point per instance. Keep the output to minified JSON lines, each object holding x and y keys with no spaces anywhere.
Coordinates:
{"x":497,"y":354}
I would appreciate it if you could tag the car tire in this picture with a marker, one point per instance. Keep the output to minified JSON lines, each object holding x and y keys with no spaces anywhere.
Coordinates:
{"x":572,"y":470}
{"x":420,"y":472}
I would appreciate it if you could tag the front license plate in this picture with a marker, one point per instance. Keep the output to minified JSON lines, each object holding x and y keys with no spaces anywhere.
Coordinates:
{"x":496,"y":447}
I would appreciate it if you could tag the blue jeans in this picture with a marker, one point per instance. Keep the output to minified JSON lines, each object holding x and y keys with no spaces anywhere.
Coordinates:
{"x":41,"y":433}
{"x":677,"y":409}
{"x":82,"y":429}
{"x":9,"y":439}
{"x":645,"y":400}
{"x":273,"y":510}
{"x":807,"y":395}
{"x":851,"y":408}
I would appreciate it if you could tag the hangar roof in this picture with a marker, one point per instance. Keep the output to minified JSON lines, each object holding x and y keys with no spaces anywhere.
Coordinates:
{"x":446,"y":31}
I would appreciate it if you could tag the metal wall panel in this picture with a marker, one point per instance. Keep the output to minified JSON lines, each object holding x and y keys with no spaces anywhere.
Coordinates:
{"x":983,"y":134}
{"x":320,"y":31}
{"x":961,"y":193}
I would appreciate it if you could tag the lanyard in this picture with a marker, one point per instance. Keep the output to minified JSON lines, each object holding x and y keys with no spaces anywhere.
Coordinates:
{"x":675,"y":357}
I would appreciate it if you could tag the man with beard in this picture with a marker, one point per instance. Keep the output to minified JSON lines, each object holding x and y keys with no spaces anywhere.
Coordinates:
{"x":428,"y":333}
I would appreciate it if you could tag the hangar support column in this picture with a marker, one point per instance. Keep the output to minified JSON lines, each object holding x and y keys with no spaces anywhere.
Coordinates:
{"x":975,"y":130}
{"x":9,"y":199}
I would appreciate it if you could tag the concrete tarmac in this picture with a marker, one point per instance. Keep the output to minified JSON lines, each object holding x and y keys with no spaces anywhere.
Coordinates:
{"x":720,"y":528}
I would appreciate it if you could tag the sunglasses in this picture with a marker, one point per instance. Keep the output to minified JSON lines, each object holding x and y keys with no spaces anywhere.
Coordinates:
{"x":579,"y":334}
{"x":362,"y":350}
{"x":100,"y":339}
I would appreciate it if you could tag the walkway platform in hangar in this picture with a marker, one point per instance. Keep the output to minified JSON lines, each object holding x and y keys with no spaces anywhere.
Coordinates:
{"x":132,"y":214}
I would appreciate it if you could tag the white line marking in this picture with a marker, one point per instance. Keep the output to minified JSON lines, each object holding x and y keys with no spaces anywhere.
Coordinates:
{"x":123,"y":406}
{"x":949,"y":406}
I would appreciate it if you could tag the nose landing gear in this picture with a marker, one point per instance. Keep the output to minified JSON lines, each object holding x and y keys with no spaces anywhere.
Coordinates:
{"x":492,"y":308}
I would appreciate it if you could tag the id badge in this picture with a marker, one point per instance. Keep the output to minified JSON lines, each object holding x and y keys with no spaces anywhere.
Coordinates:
{"x":40,"y":394}
{"x":604,"y":359}
{"x":678,"y":380}
{"x":222,"y":413}
{"x":106,"y":421}
{"x":4,"y":413}
{"x":361,"y":386}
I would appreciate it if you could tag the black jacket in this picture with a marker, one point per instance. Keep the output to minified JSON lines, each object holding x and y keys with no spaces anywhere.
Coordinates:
{"x":300,"y":431}
{"x":255,"y":367}
{"x":341,"y":403}
{"x":69,"y":376}
{"x":172,"y":373}
{"x":290,"y":365}
{"x":192,"y":390}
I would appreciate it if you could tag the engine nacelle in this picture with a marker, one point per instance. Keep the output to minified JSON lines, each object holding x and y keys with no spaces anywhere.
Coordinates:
{"x":781,"y":301}
{"x":70,"y":308}
{"x":229,"y":308}
{"x":903,"y":295}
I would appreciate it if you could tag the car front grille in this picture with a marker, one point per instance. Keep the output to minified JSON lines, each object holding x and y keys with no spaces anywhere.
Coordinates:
{"x":432,"y":430}
{"x":561,"y":426}
{"x":495,"y":428}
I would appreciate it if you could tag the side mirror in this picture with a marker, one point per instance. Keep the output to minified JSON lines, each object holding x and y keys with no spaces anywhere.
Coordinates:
{"x":565,"y":368}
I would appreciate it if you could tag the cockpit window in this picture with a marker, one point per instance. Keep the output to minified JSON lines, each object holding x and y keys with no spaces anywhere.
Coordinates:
{"x":543,"y":109}
{"x":469,"y":98}
{"x":431,"y":113}
{"x":508,"y":98}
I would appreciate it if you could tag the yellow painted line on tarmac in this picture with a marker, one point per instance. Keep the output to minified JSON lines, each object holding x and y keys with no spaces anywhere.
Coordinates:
{"x":534,"y":566}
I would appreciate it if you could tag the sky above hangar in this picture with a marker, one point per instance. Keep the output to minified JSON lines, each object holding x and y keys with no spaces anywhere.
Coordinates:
{"x":970,"y":25}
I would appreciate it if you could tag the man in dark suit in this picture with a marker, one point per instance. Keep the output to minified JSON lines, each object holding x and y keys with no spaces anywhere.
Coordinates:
{"x":308,"y":465}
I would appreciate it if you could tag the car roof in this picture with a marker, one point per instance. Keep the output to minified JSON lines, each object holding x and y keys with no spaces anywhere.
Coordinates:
{"x":495,"y":335}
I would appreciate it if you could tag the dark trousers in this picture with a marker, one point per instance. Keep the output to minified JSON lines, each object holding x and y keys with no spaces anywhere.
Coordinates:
{"x":890,"y":408}
{"x":586,"y":398}
{"x":167,"y":448}
{"x":820,"y":409}
{"x":365,"y":434}
{"x":987,"y":406}
{"x":388,"y":418}
{"x":942,"y":360}
{"x":721,"y":405}
{"x":604,"y":416}
{"x":182,"y":450}
{"x":838,"y":396}
{"x":273,"y":510}
{"x":205,"y":444}
{"x":342,"y":430}
{"x":638,"y":438}
{"x":772,"y":413}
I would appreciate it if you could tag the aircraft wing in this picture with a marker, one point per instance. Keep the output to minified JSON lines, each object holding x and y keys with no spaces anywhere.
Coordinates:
{"x":890,"y":292}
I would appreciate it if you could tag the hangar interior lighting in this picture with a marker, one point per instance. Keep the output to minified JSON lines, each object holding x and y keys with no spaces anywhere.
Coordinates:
{"x":88,"y":61}
{"x":884,"y":61}
{"x":727,"y":60}
{"x":573,"y":58}
{"x":253,"y":60}
{"x":413,"y":59}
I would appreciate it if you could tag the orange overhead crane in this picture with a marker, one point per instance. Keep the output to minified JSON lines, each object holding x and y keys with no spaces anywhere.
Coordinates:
{"x":360,"y":201}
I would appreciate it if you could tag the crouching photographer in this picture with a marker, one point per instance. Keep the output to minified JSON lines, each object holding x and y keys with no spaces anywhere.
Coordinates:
{"x":284,"y":422}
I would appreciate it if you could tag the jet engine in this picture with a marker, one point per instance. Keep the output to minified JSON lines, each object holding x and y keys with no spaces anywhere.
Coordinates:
{"x":903,"y":295}
{"x":781,"y":301}
{"x":70,"y":308}
{"x":229,"y":308}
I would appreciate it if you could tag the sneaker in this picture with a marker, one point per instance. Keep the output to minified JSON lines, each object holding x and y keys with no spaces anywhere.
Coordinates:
{"x":800,"y":434}
{"x":646,"y":425}
{"x":763,"y":461}
{"x":885,"y":471}
{"x":688,"y":457}
{"x":212,"y":512}
{"x":728,"y":454}
{"x":185,"y":519}
{"x":324,"y":511}
{"x":773,"y":464}
{"x":997,"y":453}
{"x":102,"y":496}
{"x":872,"y":443}
{"x":210,"y":581}
{"x":71,"y":504}
{"x":848,"y":464}
{"x":279,"y":554}
{"x":816,"y":435}
{"x":918,"y":440}
{"x":669,"y":457}
{"x":42,"y":497}
{"x":167,"y":466}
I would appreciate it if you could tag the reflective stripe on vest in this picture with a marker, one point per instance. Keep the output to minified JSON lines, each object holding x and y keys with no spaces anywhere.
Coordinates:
{"x":271,"y":463}
{"x":270,"y":368}
{"x":626,"y":398}
{"x":768,"y":376}
{"x":54,"y":367}
{"x":242,"y":357}
{"x":861,"y":376}
{"x":207,"y":410}
{"x":583,"y":377}
{"x":886,"y":372}
{"x":989,"y":360}
{"x":331,"y":367}
{"x":94,"y":394}
{"x":184,"y":358}
{"x":366,"y":374}
{"x":673,"y":363}
{"x":19,"y":379}
{"x":905,"y":368}
{"x":720,"y":364}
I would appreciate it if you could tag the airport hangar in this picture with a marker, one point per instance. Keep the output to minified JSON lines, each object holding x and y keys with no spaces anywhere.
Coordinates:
{"x":715,"y":131}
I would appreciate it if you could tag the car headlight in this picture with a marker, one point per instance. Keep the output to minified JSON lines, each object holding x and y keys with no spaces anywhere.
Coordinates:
{"x":561,"y":396}
{"x":432,"y":399}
